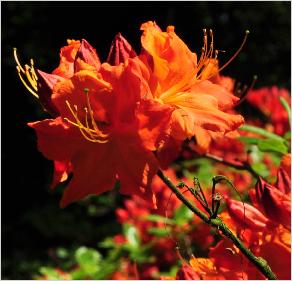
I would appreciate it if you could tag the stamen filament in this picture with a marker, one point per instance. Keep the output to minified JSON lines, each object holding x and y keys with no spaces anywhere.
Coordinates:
{"x":236,"y":53}
{"x":32,"y":70}
{"x":31,"y":81}
{"x":17,"y":61}
{"x":92,"y":135}
{"x":24,"y":83}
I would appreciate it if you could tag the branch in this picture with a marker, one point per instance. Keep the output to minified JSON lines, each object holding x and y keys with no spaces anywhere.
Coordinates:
{"x":259,"y":262}
{"x":242,"y":166}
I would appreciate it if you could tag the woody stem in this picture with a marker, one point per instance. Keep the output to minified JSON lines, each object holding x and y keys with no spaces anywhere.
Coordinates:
{"x":259,"y":262}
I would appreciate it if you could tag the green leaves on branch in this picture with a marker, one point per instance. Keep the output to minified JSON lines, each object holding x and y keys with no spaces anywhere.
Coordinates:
{"x":271,"y":143}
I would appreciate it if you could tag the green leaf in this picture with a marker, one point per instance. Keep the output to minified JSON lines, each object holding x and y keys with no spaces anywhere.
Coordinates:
{"x":249,"y":140}
{"x":132,"y":235}
{"x":157,"y":218}
{"x":88,"y":259}
{"x":272,"y":145}
{"x":107,"y":243}
{"x":287,"y":135}
{"x":260,"y":131}
{"x":183,"y":215}
{"x":261,"y":169}
{"x":160,"y":232}
{"x":51,"y":273}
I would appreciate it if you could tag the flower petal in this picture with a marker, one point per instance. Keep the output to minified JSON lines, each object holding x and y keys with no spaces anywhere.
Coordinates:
{"x":67,"y":58}
{"x":136,"y":168}
{"x":94,"y":173}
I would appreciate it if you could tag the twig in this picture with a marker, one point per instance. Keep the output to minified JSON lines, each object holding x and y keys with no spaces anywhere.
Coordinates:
{"x":259,"y":262}
{"x":242,"y":166}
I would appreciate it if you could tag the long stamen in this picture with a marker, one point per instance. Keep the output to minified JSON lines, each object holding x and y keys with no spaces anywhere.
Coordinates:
{"x":246,"y":90}
{"x":208,"y":56}
{"x":32,"y":70}
{"x":86,"y":90}
{"x":236,"y":53}
{"x":24,"y":83}
{"x":29,"y":73}
{"x":30,"y":79}
{"x":17,"y":61}
{"x":92,"y":135}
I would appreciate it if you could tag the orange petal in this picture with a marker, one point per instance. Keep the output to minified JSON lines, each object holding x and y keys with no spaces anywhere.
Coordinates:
{"x":225,"y":98}
{"x":136,"y":169}
{"x":73,"y":91}
{"x":154,"y":123}
{"x":56,"y":140}
{"x":94,"y":173}
{"x":67,"y":57}
{"x":174,"y":63}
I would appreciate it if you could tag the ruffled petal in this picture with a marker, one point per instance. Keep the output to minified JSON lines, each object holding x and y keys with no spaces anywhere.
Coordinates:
{"x":225,"y":98}
{"x":56,"y":140}
{"x":173,"y":63}
{"x":197,"y":113}
{"x":154,"y":123}
{"x":67,"y":57}
{"x":94,"y":173}
{"x":136,"y":169}
{"x":73,"y":91}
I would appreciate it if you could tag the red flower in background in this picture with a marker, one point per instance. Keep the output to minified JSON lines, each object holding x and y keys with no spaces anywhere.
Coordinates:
{"x":267,"y":100}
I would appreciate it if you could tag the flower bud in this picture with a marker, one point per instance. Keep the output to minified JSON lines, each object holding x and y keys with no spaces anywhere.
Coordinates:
{"x":120,"y":50}
{"x":88,"y":54}
{"x":275,"y":203}
{"x":283,"y":181}
{"x":46,"y":83}
{"x":248,"y":216}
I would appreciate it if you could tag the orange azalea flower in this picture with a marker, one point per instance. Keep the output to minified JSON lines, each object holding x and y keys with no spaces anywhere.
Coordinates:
{"x":103,"y":129}
{"x":178,"y":79}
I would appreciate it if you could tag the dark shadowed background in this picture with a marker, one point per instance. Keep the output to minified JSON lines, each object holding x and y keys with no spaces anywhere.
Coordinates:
{"x":32,"y":222}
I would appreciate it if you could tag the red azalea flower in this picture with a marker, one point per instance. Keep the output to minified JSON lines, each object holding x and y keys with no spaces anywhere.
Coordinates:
{"x":267,"y":101}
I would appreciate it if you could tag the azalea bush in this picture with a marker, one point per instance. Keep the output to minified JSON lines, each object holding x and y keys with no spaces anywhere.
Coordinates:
{"x":160,"y":137}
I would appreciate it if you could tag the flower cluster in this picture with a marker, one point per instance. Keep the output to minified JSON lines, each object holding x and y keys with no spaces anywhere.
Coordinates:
{"x":110,"y":117}
{"x":118,"y":123}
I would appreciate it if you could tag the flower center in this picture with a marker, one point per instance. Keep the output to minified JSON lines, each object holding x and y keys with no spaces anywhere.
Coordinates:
{"x":89,"y":128}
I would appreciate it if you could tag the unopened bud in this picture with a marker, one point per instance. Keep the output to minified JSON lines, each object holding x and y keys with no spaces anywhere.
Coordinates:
{"x":120,"y":51}
{"x":88,"y":54}
{"x":46,"y":82}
